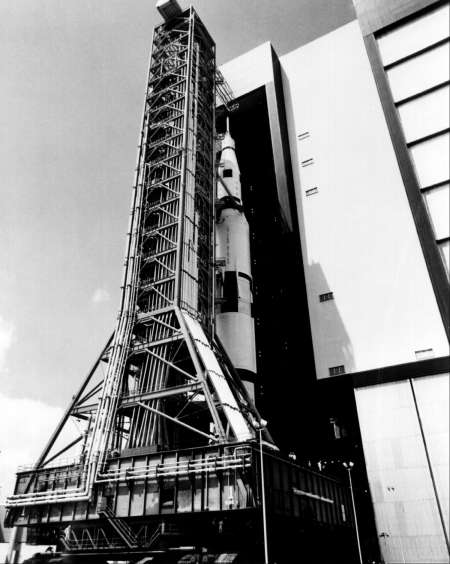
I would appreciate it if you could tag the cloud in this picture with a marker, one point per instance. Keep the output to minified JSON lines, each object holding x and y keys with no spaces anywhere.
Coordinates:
{"x":26,"y":425}
{"x":6,"y":340}
{"x":100,"y":296}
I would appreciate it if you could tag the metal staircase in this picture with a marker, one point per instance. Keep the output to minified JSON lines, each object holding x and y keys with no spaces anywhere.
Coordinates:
{"x":124,"y":531}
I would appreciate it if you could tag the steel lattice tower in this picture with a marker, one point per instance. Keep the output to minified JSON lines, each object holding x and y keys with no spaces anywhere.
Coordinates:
{"x":169,"y":451}
{"x":166,"y":384}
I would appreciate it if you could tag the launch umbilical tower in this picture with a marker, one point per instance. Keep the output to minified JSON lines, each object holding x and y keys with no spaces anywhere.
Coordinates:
{"x":167,"y":448}
{"x":165,"y":386}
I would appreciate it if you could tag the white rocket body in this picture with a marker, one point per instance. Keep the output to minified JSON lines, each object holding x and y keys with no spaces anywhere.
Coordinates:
{"x":234,"y":317}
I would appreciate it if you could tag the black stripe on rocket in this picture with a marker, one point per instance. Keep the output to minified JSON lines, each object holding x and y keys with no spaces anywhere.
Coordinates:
{"x":230,"y":295}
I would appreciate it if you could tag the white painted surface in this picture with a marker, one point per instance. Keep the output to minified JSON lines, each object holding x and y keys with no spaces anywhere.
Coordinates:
{"x":438,"y":204}
{"x":431,"y":160}
{"x":399,"y":477}
{"x":415,"y":35}
{"x":419,"y":73}
{"x":249,"y":71}
{"x":236,"y":331}
{"x":425,"y":115}
{"x":358,"y":236}
{"x":445,"y":251}
{"x":432,"y":395}
{"x":229,"y":170}
{"x":233,"y":241}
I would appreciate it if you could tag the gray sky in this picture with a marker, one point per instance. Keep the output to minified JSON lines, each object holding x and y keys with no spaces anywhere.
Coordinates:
{"x":73,"y":75}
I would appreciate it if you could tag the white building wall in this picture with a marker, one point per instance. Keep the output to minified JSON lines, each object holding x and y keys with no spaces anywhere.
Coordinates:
{"x":432,"y":395}
{"x":249,"y":71}
{"x":406,"y":510}
{"x":358,"y":236}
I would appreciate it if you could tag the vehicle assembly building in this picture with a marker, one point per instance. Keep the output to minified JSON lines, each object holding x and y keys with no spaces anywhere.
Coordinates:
{"x":276,"y":387}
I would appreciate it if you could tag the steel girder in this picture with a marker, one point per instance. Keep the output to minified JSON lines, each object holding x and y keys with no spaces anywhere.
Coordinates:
{"x":165,"y":384}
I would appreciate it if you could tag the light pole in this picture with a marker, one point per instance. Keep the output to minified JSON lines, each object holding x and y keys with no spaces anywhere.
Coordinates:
{"x":348,"y":466}
{"x":260,"y":425}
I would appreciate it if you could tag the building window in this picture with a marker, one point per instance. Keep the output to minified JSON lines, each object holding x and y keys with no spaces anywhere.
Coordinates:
{"x":336,"y":370}
{"x":228,"y":173}
{"x":326,"y":297}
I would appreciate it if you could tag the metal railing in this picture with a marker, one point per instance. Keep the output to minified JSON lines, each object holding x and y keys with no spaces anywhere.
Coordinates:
{"x":212,"y":464}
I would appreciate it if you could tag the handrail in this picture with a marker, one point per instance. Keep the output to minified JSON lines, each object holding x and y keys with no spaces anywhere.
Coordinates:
{"x":212,"y":464}
{"x":182,"y":468}
{"x":63,"y":463}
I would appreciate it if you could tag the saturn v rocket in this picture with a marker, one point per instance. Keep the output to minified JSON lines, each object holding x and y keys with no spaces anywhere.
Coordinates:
{"x":234,"y":286}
